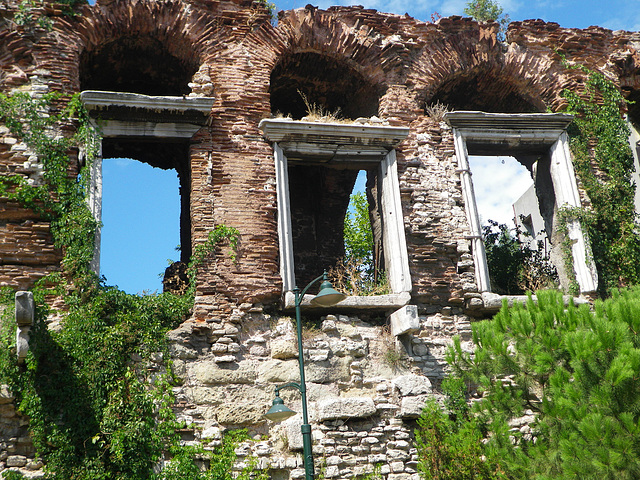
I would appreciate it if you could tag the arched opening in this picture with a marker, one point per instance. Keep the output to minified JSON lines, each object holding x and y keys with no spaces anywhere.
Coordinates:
{"x":136,"y":92}
{"x":485,"y":92}
{"x":325,"y":82}
{"x":136,"y":64}
{"x":310,"y":84}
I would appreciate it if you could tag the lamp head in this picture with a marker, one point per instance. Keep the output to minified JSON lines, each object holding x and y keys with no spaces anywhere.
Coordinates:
{"x":327,"y":296}
{"x":278,"y":411}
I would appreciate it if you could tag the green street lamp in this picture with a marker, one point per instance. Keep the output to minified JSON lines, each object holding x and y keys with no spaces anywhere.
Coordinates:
{"x":326,"y":297}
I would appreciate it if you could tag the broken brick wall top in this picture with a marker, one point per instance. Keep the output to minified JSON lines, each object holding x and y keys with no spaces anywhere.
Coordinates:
{"x":365,"y":62}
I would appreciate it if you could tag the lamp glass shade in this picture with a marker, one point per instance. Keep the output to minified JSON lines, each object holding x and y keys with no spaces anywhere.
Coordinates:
{"x":327,"y":296}
{"x":279,"y":411}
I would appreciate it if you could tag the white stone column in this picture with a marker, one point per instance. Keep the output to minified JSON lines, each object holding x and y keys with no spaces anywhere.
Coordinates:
{"x":566,"y":189}
{"x":393,"y":237}
{"x":285,"y":237}
{"x":94,"y":199}
{"x":479,"y":255}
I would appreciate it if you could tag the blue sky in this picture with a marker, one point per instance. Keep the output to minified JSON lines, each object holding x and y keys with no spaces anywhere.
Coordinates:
{"x":141,"y":203}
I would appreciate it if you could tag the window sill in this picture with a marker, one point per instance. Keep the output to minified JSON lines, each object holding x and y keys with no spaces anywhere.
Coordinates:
{"x":391,"y":301}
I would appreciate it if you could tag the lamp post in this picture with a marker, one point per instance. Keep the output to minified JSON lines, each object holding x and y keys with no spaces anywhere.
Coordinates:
{"x":326,"y":297}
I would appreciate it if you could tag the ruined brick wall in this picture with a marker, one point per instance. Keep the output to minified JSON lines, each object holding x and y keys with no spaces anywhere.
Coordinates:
{"x":233,"y":48}
{"x":238,"y":342}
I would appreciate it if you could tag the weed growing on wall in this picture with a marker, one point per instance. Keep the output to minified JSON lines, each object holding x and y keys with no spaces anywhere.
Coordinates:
{"x":450,"y":443}
{"x":603,"y":161}
{"x":220,"y":234}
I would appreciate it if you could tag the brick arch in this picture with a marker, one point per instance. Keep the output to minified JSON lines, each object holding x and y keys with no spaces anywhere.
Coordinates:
{"x":351,"y":39}
{"x":627,"y":68}
{"x":465,"y":67}
{"x":187,"y":33}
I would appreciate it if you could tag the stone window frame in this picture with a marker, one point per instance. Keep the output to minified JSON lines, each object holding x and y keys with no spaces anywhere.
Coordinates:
{"x":506,"y":129}
{"x":634,"y":142}
{"x":134,"y":115}
{"x":341,"y":142}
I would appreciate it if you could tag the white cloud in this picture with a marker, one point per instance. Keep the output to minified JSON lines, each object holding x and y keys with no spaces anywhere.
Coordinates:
{"x":624,"y":20}
{"x":452,"y":7}
{"x":421,"y":10}
{"x":123,"y":162}
{"x":497,"y":186}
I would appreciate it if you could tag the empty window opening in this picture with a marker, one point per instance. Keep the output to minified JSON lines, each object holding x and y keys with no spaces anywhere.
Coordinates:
{"x":540,"y":143}
{"x":136,"y":64}
{"x":498,"y":182}
{"x":310,"y":79}
{"x":364,"y":264}
{"x":317,"y":166}
{"x":141,"y":224}
{"x":320,"y":197}
{"x":506,"y":200}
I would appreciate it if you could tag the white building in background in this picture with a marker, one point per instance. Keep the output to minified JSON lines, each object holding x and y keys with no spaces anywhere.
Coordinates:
{"x":529,"y":221}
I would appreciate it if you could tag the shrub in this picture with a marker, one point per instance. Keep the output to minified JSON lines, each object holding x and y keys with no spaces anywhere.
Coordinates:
{"x":575,"y":370}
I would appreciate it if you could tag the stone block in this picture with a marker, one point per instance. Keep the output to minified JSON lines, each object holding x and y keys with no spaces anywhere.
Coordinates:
{"x":329,"y":324}
{"x":335,"y":369}
{"x":284,"y":348}
{"x":397,"y":455}
{"x":399,"y":476}
{"x":5,"y":395}
{"x":411,"y":407}
{"x":299,"y":473}
{"x":412,"y":385}
{"x":24,"y":308}
{"x":16,"y":461}
{"x":22,"y":342}
{"x":210,"y":373}
{"x":332,"y":471}
{"x":346,"y":329}
{"x":405,"y":320}
{"x":343,"y":408}
{"x":278,"y":371}
{"x":294,"y":434}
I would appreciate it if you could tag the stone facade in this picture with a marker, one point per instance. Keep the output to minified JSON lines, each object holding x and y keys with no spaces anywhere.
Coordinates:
{"x":366,"y":386}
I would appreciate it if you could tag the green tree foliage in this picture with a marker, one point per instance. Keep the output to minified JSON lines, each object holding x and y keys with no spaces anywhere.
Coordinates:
{"x":357,"y":273}
{"x":576,"y":371}
{"x":358,"y":237}
{"x":600,"y":140}
{"x":450,"y":443}
{"x":504,"y":257}
{"x":86,"y":388}
{"x":515,"y":267}
{"x":221,"y":460}
{"x":486,"y":10}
